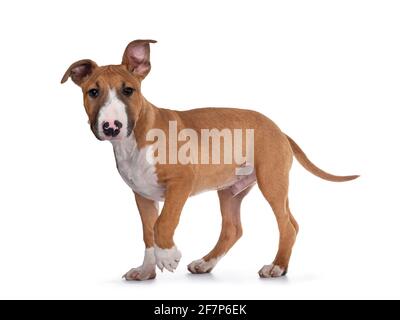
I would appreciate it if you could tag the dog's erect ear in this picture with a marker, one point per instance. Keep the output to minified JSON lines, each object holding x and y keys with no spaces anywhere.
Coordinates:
{"x":137,"y":57}
{"x":79,"y":71}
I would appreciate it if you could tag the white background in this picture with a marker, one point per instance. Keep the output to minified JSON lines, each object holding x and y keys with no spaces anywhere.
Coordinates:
{"x":327,"y":72}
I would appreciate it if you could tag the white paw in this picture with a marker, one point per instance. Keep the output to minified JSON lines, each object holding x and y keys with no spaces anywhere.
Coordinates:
{"x":167,"y":258}
{"x":140,"y":274}
{"x":146,"y":271}
{"x":271,"y":271}
{"x":201,"y":266}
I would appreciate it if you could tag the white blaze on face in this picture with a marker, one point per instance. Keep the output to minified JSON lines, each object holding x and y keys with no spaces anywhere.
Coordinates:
{"x":113,"y":110}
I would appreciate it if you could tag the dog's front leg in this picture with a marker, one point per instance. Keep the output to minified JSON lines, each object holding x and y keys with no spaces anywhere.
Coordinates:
{"x":167,"y":254}
{"x":148,"y":210}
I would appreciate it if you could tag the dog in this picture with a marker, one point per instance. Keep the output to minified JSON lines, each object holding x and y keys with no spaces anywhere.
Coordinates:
{"x":119,"y":113}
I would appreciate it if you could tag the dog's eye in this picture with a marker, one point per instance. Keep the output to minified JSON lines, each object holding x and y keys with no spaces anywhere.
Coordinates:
{"x":127,"y":91}
{"x":93,"y":93}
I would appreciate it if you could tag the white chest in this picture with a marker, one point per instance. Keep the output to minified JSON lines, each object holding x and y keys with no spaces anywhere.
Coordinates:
{"x":137,"y":168}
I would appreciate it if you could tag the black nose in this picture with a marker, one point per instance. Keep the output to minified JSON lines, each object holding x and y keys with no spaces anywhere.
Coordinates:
{"x":118,"y":124}
{"x":111,"y":131}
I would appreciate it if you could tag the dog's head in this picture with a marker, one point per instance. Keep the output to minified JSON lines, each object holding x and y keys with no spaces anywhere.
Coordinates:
{"x":111,"y":94}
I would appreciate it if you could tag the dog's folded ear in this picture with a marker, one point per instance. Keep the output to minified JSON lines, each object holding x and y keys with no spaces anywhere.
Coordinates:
{"x":137,"y":57}
{"x":79,"y":71}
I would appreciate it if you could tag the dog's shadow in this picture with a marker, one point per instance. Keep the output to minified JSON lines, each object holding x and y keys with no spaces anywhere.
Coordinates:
{"x":212,"y":278}
{"x":201,"y":277}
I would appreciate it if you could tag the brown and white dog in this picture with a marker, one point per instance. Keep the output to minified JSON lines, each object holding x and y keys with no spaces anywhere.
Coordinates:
{"x":118,"y":112}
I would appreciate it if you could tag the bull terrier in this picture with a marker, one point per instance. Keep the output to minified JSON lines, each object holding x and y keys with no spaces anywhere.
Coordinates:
{"x":119,"y":113}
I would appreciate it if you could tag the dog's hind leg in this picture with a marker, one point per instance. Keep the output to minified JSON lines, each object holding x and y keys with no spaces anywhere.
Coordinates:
{"x":274,"y":187}
{"x":230,"y":233}
{"x":292,"y":219}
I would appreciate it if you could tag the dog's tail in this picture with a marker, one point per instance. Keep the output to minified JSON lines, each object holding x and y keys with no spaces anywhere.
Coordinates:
{"x":309,"y":166}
